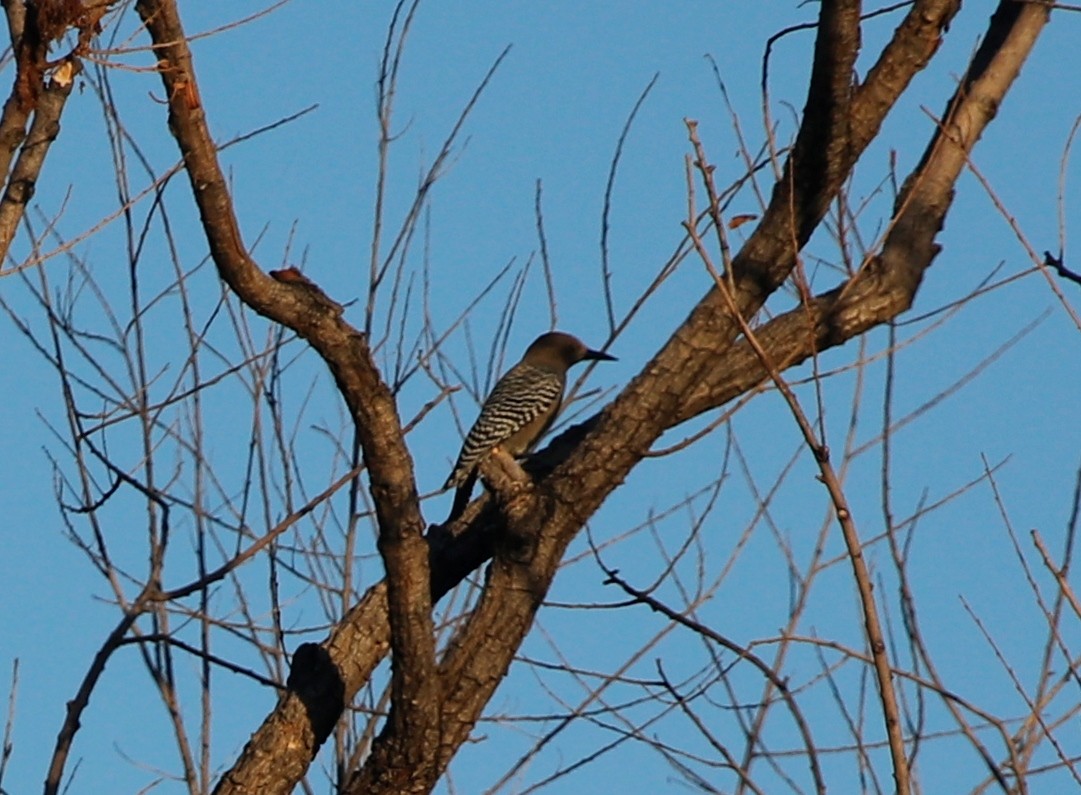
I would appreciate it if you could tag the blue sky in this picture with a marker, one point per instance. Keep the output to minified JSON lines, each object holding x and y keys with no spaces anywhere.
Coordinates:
{"x":553,"y":112}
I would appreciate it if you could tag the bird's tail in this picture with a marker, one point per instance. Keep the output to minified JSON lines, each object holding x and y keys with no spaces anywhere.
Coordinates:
{"x":461,"y":497}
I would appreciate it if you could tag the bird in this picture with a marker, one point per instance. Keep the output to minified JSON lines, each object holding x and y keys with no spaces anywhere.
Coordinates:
{"x":520,"y":409}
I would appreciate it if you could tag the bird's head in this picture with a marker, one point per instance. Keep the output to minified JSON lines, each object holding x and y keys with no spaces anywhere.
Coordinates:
{"x":558,"y":348}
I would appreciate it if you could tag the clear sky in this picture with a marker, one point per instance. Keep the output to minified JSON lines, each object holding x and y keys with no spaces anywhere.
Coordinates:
{"x":553,"y":112}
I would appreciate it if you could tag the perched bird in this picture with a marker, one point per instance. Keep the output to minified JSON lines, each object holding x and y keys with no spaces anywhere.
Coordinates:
{"x":520,"y":409}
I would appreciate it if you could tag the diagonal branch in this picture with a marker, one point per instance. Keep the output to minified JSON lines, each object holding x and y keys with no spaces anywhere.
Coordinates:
{"x":39,"y":92}
{"x":910,"y":49}
{"x":22,"y":181}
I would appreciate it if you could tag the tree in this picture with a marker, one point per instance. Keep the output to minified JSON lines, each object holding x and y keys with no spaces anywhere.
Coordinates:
{"x":147,"y":439}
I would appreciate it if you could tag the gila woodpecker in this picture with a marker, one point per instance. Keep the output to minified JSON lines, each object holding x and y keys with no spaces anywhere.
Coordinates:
{"x":520,"y":409}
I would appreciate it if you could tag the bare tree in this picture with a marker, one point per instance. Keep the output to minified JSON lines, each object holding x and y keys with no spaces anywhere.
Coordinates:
{"x":399,"y":731}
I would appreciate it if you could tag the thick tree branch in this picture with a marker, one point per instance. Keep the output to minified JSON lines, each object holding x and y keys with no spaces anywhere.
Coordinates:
{"x":293,"y":301}
{"x":910,"y":49}
{"x":16,"y":112}
{"x":23,"y":179}
{"x":820,"y":160}
{"x":928,"y":191}
{"x":35,"y":91}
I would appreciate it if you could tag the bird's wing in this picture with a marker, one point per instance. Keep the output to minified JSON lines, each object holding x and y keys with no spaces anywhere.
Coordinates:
{"x":520,"y":396}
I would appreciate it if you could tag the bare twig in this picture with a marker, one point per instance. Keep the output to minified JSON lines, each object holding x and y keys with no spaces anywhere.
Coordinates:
{"x":890,"y":711}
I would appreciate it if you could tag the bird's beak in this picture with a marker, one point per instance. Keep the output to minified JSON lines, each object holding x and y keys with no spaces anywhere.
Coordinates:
{"x":599,"y":356}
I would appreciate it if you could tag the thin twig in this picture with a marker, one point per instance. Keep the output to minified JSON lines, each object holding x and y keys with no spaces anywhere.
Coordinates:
{"x":828,"y":477}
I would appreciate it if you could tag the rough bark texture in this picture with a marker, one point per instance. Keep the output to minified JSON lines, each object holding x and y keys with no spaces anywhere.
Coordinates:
{"x":37,"y":99}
